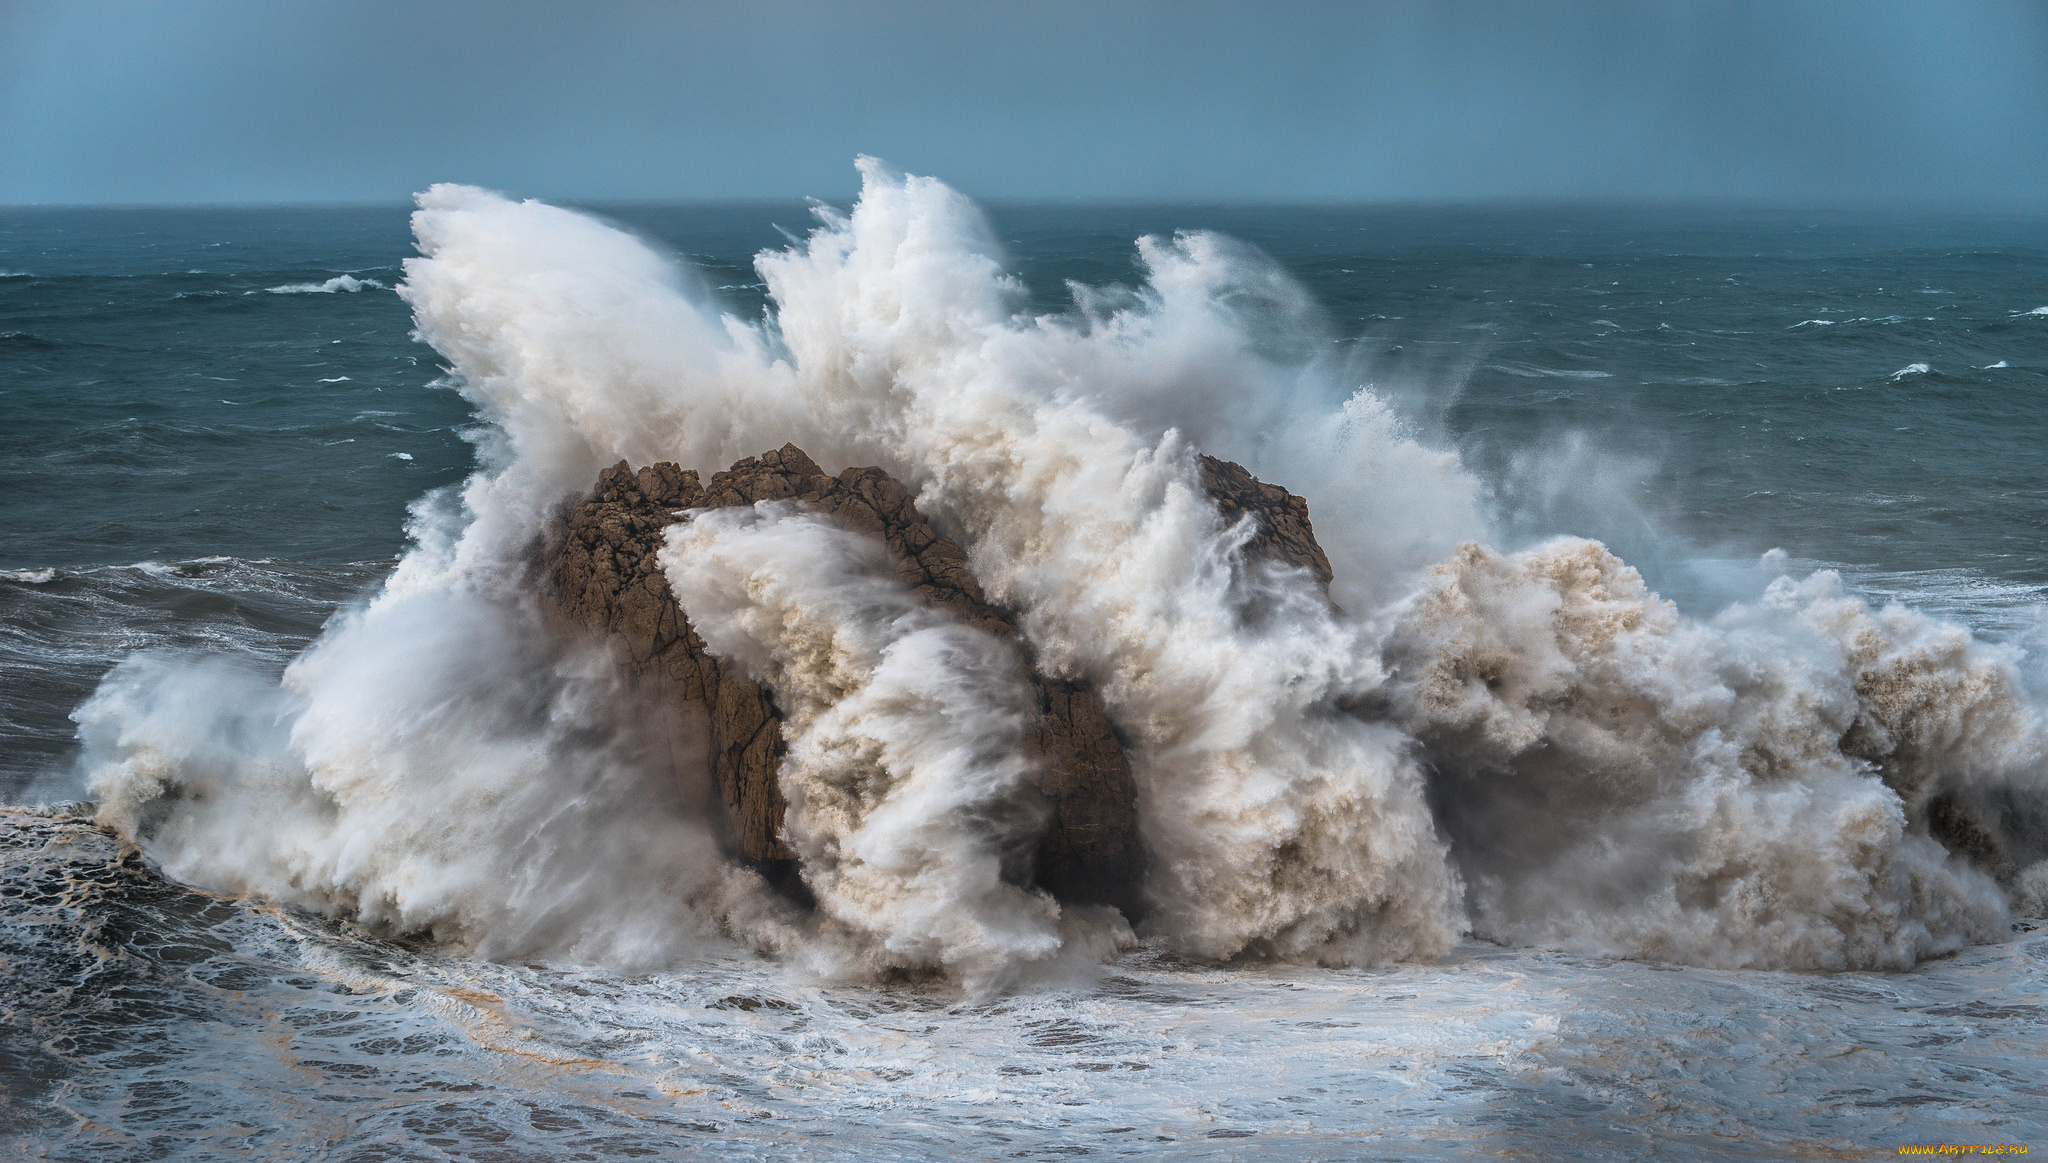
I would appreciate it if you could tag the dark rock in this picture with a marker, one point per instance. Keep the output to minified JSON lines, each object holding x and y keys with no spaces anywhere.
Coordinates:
{"x":1284,"y":533}
{"x":605,"y":578}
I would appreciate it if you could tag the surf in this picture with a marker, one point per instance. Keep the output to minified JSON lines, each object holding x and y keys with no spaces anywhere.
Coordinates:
{"x":1529,"y":745}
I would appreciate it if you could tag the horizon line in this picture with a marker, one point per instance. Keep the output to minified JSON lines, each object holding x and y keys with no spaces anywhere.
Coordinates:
{"x":1928,"y":204}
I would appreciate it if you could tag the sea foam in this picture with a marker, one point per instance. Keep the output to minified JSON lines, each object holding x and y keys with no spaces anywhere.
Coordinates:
{"x":338,"y":283}
{"x":1532,"y":746}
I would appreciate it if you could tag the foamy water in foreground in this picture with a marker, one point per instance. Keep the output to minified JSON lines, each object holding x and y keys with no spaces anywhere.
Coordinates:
{"x":191,"y":1025}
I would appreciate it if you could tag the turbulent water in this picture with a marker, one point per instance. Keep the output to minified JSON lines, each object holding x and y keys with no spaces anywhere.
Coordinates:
{"x":1664,"y":765}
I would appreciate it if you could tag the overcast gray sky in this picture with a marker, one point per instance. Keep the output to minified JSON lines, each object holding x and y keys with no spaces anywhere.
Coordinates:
{"x":369,"y":100}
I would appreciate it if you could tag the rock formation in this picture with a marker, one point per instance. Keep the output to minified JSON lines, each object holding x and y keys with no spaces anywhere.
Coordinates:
{"x":604,"y":578}
{"x":1284,"y":533}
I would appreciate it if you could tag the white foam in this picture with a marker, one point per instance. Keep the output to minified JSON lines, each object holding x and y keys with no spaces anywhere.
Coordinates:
{"x":437,"y":763}
{"x":1494,"y":1052}
{"x":1911,"y":369}
{"x":1882,"y":320}
{"x":348,"y":283}
{"x":427,"y":767}
{"x":34,"y":577}
{"x":1277,"y":824}
{"x":1742,"y":793}
{"x":906,"y":770}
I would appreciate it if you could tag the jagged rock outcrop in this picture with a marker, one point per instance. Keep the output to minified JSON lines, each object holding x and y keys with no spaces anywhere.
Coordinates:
{"x":1284,"y":533}
{"x":605,"y":578}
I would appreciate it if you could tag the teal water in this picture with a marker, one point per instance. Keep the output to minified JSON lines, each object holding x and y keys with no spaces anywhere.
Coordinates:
{"x":164,"y":400}
{"x":1687,"y":385}
{"x":212,"y":424}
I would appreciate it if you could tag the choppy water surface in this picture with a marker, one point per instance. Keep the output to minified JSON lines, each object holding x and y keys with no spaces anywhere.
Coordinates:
{"x":214,"y":424}
{"x":151,"y":1020}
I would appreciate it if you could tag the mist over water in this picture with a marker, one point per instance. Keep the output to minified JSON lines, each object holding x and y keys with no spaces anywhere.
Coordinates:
{"x":1488,"y":726}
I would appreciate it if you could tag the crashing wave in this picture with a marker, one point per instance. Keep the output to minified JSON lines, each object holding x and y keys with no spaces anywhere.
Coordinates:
{"x":1531,"y":747}
{"x":1763,"y":789}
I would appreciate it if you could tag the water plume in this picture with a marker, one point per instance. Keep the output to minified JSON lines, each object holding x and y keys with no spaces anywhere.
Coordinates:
{"x":431,"y":766}
{"x":905,"y":729}
{"x":1534,"y":747}
{"x":1278,"y":824}
{"x":1752,"y":791}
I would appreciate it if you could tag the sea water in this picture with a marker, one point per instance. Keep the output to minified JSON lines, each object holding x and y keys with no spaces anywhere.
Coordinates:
{"x":222,"y":424}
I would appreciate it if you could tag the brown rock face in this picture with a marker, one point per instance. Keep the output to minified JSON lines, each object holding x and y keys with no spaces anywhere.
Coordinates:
{"x":1284,"y":532}
{"x":605,"y":578}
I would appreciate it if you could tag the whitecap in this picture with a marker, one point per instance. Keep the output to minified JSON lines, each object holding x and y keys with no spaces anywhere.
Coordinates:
{"x":1995,"y":366}
{"x":2035,"y":311}
{"x":1911,"y":369}
{"x":1880,"y":320}
{"x":401,"y":456}
{"x":34,"y":577}
{"x":337,"y":283}
{"x":336,"y":380}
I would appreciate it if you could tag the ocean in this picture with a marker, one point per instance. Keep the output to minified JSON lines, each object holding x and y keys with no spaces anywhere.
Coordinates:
{"x":1643,"y":885}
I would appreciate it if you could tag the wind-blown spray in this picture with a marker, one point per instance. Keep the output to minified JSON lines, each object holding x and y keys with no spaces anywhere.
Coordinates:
{"x":1334,"y":776}
{"x":906,"y":754}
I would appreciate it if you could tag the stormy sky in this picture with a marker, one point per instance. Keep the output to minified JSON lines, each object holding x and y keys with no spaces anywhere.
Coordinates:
{"x":367,"y":100}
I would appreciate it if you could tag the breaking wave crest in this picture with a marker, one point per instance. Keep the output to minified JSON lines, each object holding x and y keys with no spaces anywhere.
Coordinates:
{"x":1530,"y":747}
{"x":348,"y":283}
{"x":1757,"y":790}
{"x":906,"y":741}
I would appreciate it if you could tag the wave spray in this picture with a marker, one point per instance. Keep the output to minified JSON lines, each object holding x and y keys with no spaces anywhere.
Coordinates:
{"x":1532,"y":746}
